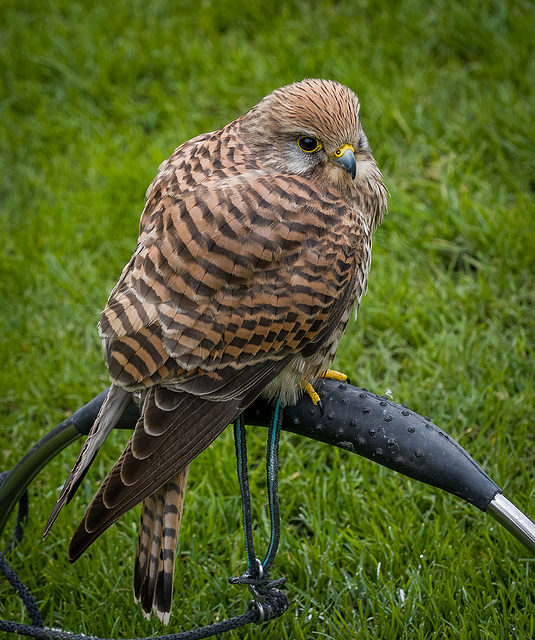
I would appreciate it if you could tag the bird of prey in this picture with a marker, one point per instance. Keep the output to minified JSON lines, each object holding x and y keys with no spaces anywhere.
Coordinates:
{"x":254,"y":247}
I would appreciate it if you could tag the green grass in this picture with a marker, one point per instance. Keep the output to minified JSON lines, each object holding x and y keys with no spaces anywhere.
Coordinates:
{"x":93,"y":96}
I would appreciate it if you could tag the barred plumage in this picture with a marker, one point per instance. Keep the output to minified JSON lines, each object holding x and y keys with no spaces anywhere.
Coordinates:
{"x":156,"y":546}
{"x":251,"y":255}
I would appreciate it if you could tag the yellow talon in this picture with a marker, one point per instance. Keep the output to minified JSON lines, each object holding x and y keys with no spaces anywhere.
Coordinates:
{"x":331,"y":374}
{"x":309,"y":389}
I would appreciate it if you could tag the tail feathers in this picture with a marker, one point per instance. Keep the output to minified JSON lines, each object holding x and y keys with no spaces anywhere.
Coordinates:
{"x":156,"y":459}
{"x":156,"y":548}
{"x":113,"y":407}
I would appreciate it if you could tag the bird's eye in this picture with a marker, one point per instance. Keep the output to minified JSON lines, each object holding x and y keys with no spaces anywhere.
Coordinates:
{"x":308,"y":144}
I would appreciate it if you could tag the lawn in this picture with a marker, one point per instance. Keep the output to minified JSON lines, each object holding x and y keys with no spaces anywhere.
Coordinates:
{"x":93,"y":96}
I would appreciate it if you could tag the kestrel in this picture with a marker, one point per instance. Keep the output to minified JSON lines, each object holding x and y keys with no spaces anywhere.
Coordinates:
{"x":254,"y":247}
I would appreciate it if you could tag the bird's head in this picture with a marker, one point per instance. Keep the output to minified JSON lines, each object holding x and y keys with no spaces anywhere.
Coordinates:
{"x":313,"y":128}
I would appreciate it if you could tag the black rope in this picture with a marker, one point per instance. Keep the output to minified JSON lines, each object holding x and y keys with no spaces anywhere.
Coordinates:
{"x":22,"y":591}
{"x":274,"y":606}
{"x":12,"y":577}
{"x":46,"y":633}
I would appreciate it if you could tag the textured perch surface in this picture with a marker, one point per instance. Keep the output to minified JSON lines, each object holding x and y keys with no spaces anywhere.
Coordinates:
{"x":351,"y":418}
{"x":389,"y":434}
{"x":368,"y":425}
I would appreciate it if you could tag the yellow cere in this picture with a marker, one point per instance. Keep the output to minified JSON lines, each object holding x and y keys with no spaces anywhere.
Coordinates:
{"x":340,"y":152}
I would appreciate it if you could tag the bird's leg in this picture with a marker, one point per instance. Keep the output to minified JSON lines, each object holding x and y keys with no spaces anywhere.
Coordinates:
{"x":329,"y":374}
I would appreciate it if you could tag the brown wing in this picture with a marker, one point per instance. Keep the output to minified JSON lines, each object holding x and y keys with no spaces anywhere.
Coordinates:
{"x":241,"y":270}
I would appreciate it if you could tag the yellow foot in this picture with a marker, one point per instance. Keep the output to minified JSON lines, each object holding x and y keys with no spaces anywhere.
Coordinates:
{"x":309,"y":389}
{"x":331,"y":374}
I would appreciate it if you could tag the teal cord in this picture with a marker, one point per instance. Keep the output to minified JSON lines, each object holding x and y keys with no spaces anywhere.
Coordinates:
{"x":272,"y":473}
{"x":241,"y":459}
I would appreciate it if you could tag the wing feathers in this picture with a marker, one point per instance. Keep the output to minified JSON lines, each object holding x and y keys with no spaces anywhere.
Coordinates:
{"x":226,"y":262}
{"x":113,"y":407}
{"x":149,"y":460}
{"x":132,"y":480}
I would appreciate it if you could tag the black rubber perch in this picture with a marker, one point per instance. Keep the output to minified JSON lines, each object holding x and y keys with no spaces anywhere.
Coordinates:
{"x":353,"y":419}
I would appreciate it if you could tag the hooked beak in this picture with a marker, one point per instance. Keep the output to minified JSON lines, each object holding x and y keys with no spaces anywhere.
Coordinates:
{"x":345,"y":157}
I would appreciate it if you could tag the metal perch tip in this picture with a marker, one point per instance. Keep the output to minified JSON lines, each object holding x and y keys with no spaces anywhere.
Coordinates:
{"x":514,"y":520}
{"x":352,"y":419}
